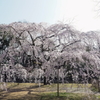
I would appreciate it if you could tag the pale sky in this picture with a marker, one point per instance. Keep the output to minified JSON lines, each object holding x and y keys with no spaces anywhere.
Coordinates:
{"x":79,"y":13}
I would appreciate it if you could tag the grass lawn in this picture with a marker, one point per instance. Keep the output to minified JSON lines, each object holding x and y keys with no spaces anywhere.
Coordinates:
{"x":31,"y":91}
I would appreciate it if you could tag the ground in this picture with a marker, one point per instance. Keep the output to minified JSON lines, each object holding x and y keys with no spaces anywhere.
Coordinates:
{"x":32,"y":91}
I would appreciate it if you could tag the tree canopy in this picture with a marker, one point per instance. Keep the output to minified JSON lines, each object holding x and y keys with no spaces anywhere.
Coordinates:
{"x":41,"y":51}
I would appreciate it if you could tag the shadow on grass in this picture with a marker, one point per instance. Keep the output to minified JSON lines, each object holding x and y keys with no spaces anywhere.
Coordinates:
{"x":18,"y":89}
{"x":26,"y":91}
{"x":29,"y":94}
{"x":12,"y":86}
{"x":3,"y":95}
{"x":51,"y":96}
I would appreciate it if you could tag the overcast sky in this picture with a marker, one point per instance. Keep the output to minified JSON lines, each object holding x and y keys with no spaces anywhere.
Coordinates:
{"x":80,"y":13}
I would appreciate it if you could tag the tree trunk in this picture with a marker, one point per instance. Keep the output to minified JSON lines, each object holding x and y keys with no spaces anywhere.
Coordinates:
{"x":45,"y":83}
{"x":98,"y":82}
{"x":58,"y":84}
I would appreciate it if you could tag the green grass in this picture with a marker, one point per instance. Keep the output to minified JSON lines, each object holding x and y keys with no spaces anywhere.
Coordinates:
{"x":48,"y":96}
{"x":68,"y":96}
{"x":62,"y":96}
{"x":94,"y":89}
{"x":31,"y":91}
